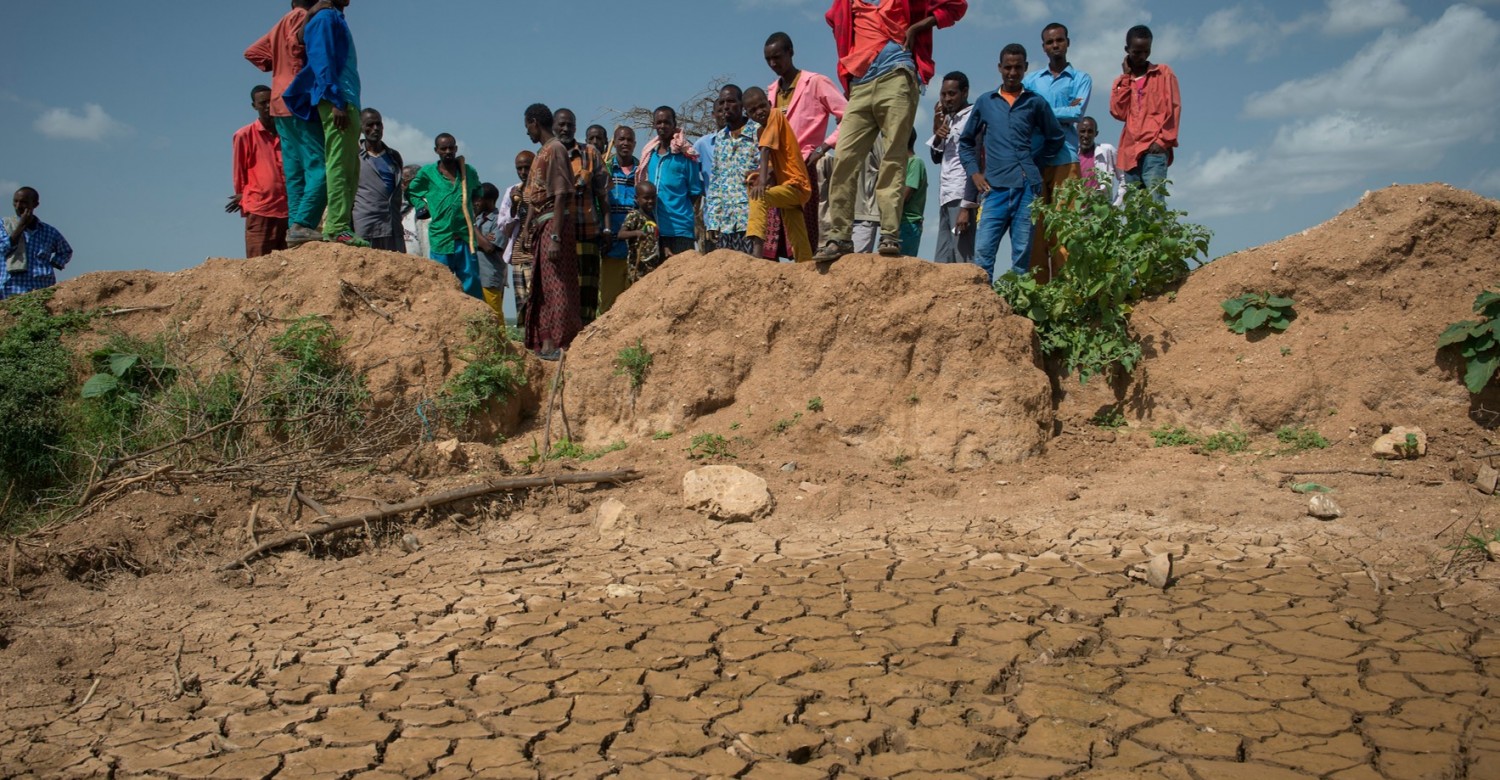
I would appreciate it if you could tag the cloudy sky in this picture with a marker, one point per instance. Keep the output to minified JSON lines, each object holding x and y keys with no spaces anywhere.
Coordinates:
{"x":121,"y":113}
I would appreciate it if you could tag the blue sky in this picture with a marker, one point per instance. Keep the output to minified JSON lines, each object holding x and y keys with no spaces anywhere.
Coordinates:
{"x":121,"y":113}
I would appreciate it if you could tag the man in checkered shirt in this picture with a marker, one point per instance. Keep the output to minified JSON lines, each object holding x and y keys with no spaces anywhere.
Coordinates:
{"x":33,"y":249}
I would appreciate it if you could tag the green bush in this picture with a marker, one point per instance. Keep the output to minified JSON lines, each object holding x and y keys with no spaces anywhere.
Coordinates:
{"x":634,"y":362}
{"x":494,"y":372}
{"x":1478,"y":341}
{"x":311,"y":391}
{"x":709,"y":445}
{"x":1300,"y":438}
{"x":1115,"y":257}
{"x":1253,"y":311}
{"x":1232,"y":442}
{"x":1178,"y":436}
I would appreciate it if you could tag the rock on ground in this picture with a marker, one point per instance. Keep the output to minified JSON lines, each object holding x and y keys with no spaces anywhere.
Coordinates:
{"x":727,"y":493}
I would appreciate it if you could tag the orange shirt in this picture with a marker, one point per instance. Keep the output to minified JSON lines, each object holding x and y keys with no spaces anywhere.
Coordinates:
{"x":874,"y":27}
{"x":1009,"y":98}
{"x":786,"y":152}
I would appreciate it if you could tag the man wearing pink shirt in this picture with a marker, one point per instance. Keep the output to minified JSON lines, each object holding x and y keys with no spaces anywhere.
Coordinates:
{"x":885,"y":61}
{"x":809,"y":100}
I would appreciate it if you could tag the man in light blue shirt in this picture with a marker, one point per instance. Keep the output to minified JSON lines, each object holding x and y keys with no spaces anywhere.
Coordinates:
{"x":1067,"y":91}
{"x":678,"y":180}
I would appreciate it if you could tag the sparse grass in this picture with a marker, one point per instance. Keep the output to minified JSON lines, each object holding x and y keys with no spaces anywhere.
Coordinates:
{"x":1232,"y":442}
{"x":709,"y":445}
{"x":1286,"y":351}
{"x":913,"y":399}
{"x":1479,"y":542}
{"x":661,"y":436}
{"x":783,"y":425}
{"x":634,"y":362}
{"x":899,"y":460}
{"x":1170,"y":436}
{"x":1298,"y":438}
{"x":815,"y":404}
{"x":565,"y":449}
{"x":1110,"y":418}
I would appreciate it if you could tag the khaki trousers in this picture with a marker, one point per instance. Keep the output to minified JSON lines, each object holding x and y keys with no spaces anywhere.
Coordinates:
{"x":884,"y":107}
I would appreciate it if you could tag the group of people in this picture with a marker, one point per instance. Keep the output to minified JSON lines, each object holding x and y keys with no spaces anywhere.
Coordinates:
{"x":808,"y":168}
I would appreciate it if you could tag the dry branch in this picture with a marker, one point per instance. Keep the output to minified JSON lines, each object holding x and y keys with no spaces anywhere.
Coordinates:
{"x":346,"y":286}
{"x":522,"y":566}
{"x":1360,"y":472}
{"x":433,"y":500}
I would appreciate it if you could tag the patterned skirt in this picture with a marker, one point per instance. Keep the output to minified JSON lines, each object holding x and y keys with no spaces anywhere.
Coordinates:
{"x":553,"y":312}
{"x":777,"y":244}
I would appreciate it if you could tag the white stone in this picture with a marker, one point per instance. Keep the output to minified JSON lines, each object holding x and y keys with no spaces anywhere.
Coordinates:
{"x":1392,"y":446}
{"x":1487,"y":480}
{"x":727,"y":493}
{"x":1324,"y":508}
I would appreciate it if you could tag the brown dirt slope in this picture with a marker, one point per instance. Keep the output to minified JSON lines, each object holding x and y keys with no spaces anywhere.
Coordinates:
{"x":1374,"y":287}
{"x":910,"y":358}
{"x":405,"y":358}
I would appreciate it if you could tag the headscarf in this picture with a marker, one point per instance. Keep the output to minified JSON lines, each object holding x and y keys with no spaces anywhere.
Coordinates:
{"x":679,"y":145}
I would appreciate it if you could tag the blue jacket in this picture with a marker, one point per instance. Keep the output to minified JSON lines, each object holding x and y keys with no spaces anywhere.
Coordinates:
{"x":332,"y":70}
{"x":1015,"y":137}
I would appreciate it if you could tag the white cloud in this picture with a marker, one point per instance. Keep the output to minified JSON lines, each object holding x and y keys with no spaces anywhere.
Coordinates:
{"x":90,"y":124}
{"x":1347,"y":17}
{"x":413,"y":144}
{"x":8,"y":189}
{"x":1007,"y":13}
{"x":1487,"y":183}
{"x":1402,"y":103}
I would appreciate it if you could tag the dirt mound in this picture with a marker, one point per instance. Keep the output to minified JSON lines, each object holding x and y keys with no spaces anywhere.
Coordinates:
{"x":910,"y":359}
{"x":402,"y":317}
{"x":1373,"y":288}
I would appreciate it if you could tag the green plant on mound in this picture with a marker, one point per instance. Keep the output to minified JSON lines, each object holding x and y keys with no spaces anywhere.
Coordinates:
{"x":1116,"y":256}
{"x":1232,"y":442}
{"x":1253,"y":311}
{"x":1478,"y":341}
{"x":709,"y":445}
{"x":1110,"y":418}
{"x":634,"y":362}
{"x":311,"y":391}
{"x":493,"y":372}
{"x":815,"y":404}
{"x":1174,"y":436}
{"x":37,"y":384}
{"x":1298,"y":438}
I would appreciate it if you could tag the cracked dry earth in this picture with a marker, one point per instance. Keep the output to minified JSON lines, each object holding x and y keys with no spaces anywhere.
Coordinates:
{"x":962,"y":648}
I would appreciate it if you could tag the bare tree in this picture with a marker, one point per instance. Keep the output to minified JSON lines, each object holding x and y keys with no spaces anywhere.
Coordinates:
{"x":695,"y":116}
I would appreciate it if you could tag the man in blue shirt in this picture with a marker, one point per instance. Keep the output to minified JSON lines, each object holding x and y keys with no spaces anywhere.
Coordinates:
{"x":678,"y":181}
{"x":1067,"y":91}
{"x":1018,"y":127}
{"x":33,"y":249}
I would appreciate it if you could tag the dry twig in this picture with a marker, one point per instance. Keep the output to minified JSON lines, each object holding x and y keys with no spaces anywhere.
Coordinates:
{"x":1360,"y":472}
{"x":88,"y":697}
{"x":522,"y":566}
{"x":433,"y":500}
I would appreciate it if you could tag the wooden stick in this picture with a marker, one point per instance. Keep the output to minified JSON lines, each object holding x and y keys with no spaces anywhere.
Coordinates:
{"x":313,"y":504}
{"x":250,"y":526}
{"x":88,"y":697}
{"x":523,"y":566}
{"x":345,"y":286}
{"x":1361,"y":472}
{"x":562,"y":395}
{"x":133,"y":309}
{"x":551,"y":399}
{"x":433,"y":500}
{"x":1490,"y":454}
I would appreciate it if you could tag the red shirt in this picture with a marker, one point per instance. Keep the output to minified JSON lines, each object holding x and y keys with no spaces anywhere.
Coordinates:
{"x":840,"y":17}
{"x":258,"y":176}
{"x":1150,"y":110}
{"x":281,"y":54}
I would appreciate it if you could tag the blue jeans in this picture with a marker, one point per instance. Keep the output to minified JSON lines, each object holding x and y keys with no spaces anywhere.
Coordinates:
{"x":1005,"y":209}
{"x":306,"y":173}
{"x":464,"y":265}
{"x":1151,"y":174}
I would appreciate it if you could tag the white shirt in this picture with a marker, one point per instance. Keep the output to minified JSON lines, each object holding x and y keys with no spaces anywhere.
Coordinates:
{"x":953,"y":178}
{"x":1107,"y":173}
{"x":508,"y":221}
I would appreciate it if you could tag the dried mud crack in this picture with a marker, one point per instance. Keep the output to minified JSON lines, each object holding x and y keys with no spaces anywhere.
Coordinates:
{"x":850,"y":655}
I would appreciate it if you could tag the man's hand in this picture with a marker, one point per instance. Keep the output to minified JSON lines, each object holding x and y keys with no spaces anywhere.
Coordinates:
{"x":917,"y":29}
{"x":484,"y":242}
{"x":233,"y":206}
{"x":814,"y":156}
{"x":980,"y":183}
{"x":940,"y":123}
{"x":340,"y":118}
{"x":1076,"y":102}
{"x":24,"y":221}
{"x":1125,"y":66}
{"x":965,"y":220}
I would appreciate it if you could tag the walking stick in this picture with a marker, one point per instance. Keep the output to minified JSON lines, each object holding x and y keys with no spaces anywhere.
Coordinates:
{"x":463,"y":178}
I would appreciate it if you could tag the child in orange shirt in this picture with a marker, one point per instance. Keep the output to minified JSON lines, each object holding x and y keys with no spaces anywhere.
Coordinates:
{"x":781,"y":161}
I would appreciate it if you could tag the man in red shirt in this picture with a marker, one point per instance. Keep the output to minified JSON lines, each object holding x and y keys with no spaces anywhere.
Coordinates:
{"x":1146,"y":99}
{"x":259,"y":183}
{"x":885,"y":60}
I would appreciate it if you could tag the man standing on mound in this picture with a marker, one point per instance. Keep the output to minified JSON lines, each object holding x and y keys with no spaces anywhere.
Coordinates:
{"x":280,"y":52}
{"x":33,"y":249}
{"x":1011,"y":121}
{"x":552,"y":316}
{"x":378,"y":201}
{"x":447,"y":190}
{"x":809,"y":100}
{"x":1146,"y":99}
{"x":327,"y":88}
{"x":259,"y":180}
{"x":885,"y":60}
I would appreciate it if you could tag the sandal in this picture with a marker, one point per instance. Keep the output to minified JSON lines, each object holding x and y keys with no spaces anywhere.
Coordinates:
{"x":347,"y":239}
{"x":890,"y":246}
{"x":833,"y":250}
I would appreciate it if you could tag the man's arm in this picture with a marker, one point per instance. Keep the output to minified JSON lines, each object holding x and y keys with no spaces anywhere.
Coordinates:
{"x":1078,"y":107}
{"x":969,"y":156}
{"x":946,"y":13}
{"x":833,"y":101}
{"x":1168,"y":136}
{"x":241,"y":173}
{"x":62,"y":251}
{"x":416,"y":191}
{"x":325,"y":60}
{"x":259,"y":53}
{"x":1052,"y":132}
{"x":1119,"y":98}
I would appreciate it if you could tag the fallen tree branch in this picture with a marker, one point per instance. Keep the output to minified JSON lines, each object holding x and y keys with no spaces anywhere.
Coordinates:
{"x":1361,"y":472}
{"x":523,"y":566}
{"x":133,"y":309}
{"x":1490,"y":454}
{"x":313,"y":504}
{"x":432,"y":500}
{"x":88,"y":697}
{"x":346,"y":286}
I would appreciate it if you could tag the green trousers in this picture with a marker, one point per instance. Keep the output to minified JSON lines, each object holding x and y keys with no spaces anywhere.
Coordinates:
{"x":341,"y":156}
{"x":883,"y":107}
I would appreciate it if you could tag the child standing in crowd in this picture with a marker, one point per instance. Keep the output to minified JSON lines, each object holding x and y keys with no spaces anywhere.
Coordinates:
{"x":781,"y":161}
{"x":489,"y":234}
{"x":914,"y":199}
{"x":1097,"y":163}
{"x":639,"y":233}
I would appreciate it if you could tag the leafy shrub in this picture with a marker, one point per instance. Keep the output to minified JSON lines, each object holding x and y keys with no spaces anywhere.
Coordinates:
{"x":1253,"y":311}
{"x":1299,"y":438}
{"x":815,"y":404}
{"x":311,"y":391}
{"x":634,"y":362}
{"x":493,"y":373}
{"x":782,"y":426}
{"x":1178,"y":436}
{"x":1478,"y":341}
{"x":1115,"y":257}
{"x":1232,"y":442}
{"x":1111,"y":418}
{"x":709,"y":445}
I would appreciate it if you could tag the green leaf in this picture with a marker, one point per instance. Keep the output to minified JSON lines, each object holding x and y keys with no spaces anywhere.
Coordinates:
{"x":119,"y":363}
{"x":1456,"y":332}
{"x":1234,"y":306}
{"x":1280,"y":302}
{"x":1486,"y":299}
{"x":1311,"y":487}
{"x":1480,"y":370}
{"x":1254,"y":318}
{"x":1279,"y":322}
{"x":100,"y":384}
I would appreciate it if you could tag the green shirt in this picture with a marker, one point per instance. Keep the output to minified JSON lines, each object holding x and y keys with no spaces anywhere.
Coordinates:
{"x":916,"y":179}
{"x":443,"y":200}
